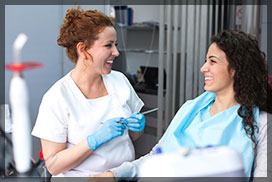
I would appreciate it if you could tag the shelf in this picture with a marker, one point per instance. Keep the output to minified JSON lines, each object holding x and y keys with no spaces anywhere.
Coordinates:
{"x":144,"y":27}
{"x":140,"y":51}
{"x":139,"y":27}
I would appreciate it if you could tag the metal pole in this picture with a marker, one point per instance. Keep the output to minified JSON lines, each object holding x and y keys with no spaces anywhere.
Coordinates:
{"x":161,"y":75}
{"x":169,"y":63}
{"x":183,"y":45}
{"x":175,"y":53}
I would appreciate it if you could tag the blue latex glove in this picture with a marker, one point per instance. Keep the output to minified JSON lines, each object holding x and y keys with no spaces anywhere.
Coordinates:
{"x":136,"y":122}
{"x":111,"y":129}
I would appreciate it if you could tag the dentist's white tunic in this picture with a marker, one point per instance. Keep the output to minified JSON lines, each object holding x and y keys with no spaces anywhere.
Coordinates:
{"x":65,"y":115}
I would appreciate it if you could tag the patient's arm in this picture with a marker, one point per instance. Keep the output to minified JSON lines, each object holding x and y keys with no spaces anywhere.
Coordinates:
{"x":105,"y":174}
{"x":105,"y":177}
{"x":129,"y":170}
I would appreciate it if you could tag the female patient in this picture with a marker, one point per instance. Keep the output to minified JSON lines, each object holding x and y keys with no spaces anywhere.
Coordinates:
{"x":233,"y":110}
{"x":80,"y":120}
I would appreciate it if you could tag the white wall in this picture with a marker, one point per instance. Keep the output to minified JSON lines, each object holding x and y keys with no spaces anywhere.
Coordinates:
{"x":40,"y":24}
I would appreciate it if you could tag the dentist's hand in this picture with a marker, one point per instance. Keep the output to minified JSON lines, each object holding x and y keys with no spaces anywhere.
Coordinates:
{"x":111,"y":129}
{"x":136,"y":122}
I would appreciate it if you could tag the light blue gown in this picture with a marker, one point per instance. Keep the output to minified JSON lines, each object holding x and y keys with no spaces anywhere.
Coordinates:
{"x":193,"y":126}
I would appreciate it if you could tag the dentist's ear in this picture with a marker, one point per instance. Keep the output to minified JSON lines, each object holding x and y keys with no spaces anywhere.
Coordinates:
{"x":81,"y":52}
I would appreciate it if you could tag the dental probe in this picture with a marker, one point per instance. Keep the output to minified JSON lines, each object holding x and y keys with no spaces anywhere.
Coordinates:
{"x":149,"y":111}
{"x":143,"y":113}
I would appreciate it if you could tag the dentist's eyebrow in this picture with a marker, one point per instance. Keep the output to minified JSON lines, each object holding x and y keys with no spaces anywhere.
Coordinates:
{"x":110,"y":41}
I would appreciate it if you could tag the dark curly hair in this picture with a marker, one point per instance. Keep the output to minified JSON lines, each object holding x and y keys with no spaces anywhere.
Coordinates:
{"x":81,"y":26}
{"x":251,"y":85}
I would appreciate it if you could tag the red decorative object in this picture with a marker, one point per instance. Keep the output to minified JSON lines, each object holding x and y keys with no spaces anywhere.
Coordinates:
{"x":41,"y":155}
{"x":23,"y":66}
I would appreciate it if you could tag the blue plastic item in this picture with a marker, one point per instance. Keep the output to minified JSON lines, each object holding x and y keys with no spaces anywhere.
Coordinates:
{"x":158,"y":150}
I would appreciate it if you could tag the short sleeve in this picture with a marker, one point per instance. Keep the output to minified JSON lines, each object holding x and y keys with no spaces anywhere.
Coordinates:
{"x":135,"y":103}
{"x":51,"y":123}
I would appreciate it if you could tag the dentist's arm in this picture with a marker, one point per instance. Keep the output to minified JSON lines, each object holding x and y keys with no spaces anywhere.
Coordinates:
{"x":135,"y":135}
{"x":60,"y":159}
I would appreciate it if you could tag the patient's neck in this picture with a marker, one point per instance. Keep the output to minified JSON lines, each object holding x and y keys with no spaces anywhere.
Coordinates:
{"x":223,"y":102}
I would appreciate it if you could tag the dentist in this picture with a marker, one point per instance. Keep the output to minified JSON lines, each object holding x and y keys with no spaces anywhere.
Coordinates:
{"x":81,"y":117}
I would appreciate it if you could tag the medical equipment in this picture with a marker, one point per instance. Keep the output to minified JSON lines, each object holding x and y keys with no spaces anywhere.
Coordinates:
{"x":149,"y":111}
{"x":218,"y":161}
{"x":21,"y":138}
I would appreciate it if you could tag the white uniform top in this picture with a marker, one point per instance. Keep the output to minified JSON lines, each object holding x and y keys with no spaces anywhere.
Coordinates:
{"x":65,"y":115}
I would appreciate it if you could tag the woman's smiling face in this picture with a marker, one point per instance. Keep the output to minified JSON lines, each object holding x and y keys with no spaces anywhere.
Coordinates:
{"x":104,"y":50}
{"x":218,"y":78}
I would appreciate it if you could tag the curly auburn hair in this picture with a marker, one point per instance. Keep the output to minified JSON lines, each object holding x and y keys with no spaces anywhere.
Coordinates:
{"x":81,"y":26}
{"x":251,"y":85}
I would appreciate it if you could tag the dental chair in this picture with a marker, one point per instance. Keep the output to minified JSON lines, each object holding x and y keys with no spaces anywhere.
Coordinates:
{"x":203,"y":162}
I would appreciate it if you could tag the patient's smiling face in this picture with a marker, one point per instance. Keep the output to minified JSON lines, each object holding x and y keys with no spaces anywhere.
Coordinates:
{"x":218,"y":78}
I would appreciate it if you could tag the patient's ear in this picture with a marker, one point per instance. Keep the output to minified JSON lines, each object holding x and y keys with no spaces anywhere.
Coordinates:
{"x":232,"y":72}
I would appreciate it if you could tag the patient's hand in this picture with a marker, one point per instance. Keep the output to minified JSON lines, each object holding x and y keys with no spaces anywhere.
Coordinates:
{"x":109,"y":175}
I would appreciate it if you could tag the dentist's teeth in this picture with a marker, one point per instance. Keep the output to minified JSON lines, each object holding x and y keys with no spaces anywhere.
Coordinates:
{"x":110,"y":62}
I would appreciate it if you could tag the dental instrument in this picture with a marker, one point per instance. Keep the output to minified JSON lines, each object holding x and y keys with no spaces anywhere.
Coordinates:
{"x":149,"y":111}
{"x":143,"y":113}
{"x":19,"y":102}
